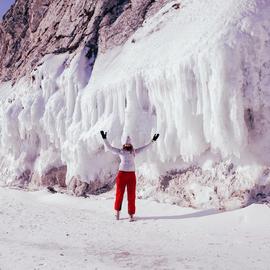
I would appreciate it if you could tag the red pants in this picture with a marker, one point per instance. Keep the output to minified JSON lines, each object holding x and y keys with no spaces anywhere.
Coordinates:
{"x":124,"y":179}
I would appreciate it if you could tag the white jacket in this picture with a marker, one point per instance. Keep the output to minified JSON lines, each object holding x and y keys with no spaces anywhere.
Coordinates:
{"x":127,"y":163}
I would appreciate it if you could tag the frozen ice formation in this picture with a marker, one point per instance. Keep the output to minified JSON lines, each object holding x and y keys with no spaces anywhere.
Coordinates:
{"x":198,"y":74}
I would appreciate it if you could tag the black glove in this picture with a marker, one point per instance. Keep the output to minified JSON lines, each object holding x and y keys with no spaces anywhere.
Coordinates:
{"x":155,"y":137}
{"x":103,"y":135}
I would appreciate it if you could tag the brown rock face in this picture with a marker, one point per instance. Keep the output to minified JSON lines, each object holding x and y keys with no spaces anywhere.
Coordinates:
{"x":80,"y":188}
{"x":77,"y":187}
{"x":34,"y":28}
{"x":55,"y":176}
{"x":22,"y":180}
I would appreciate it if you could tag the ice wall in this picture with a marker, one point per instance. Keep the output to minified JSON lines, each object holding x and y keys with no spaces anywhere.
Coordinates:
{"x":199,"y":75}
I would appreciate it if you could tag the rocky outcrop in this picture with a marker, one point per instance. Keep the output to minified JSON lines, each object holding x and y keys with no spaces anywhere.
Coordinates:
{"x":222,"y":187}
{"x":80,"y":188}
{"x":54,"y":176}
{"x":34,"y":28}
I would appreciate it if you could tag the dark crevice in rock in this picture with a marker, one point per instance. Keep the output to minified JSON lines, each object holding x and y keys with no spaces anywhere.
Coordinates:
{"x":249,"y":118}
{"x":89,"y":14}
{"x":92,"y":50}
{"x":144,"y":12}
{"x":55,"y":25}
{"x":116,"y":10}
{"x":32,"y":49}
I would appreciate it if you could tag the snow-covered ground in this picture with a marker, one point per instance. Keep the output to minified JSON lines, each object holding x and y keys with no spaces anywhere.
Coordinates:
{"x":39,"y":230}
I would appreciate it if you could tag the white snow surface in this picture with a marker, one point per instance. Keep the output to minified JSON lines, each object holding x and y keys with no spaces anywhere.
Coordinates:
{"x":198,"y":75}
{"x":39,"y":231}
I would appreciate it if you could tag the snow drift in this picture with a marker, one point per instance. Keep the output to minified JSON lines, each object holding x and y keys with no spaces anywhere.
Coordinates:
{"x":197,"y":72}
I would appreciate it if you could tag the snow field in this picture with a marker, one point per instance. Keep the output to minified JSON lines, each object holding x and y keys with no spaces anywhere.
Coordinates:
{"x":39,"y":230}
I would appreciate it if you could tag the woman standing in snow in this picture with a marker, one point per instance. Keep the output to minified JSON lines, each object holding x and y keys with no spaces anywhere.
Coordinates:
{"x":126,"y":175}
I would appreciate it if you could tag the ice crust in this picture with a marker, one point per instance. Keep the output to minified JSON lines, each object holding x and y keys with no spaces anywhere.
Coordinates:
{"x":198,"y":75}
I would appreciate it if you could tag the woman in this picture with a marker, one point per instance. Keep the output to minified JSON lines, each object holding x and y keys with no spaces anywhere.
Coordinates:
{"x":126,"y":175}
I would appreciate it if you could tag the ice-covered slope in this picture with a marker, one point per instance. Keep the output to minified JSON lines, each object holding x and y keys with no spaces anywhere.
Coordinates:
{"x":197,"y":72}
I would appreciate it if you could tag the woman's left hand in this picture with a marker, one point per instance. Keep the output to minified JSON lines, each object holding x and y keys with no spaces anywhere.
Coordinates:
{"x":155,"y":137}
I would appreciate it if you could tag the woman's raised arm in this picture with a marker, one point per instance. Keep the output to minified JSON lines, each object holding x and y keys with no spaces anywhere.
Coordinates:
{"x":142,"y":148}
{"x":114,"y":150}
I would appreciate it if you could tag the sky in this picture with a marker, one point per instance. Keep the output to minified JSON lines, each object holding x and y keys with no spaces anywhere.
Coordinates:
{"x":4,"y":6}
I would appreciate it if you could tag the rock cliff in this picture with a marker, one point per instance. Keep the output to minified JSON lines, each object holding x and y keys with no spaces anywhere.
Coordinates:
{"x":33,"y":28}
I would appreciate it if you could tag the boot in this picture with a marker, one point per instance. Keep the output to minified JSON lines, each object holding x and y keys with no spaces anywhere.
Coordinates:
{"x":117,"y":215}
{"x":131,"y":218}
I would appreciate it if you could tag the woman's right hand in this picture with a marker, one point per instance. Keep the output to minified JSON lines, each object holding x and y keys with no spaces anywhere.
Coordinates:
{"x":103,"y":135}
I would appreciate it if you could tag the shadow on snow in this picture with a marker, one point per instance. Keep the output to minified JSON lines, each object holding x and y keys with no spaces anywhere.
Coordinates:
{"x":203,"y":213}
